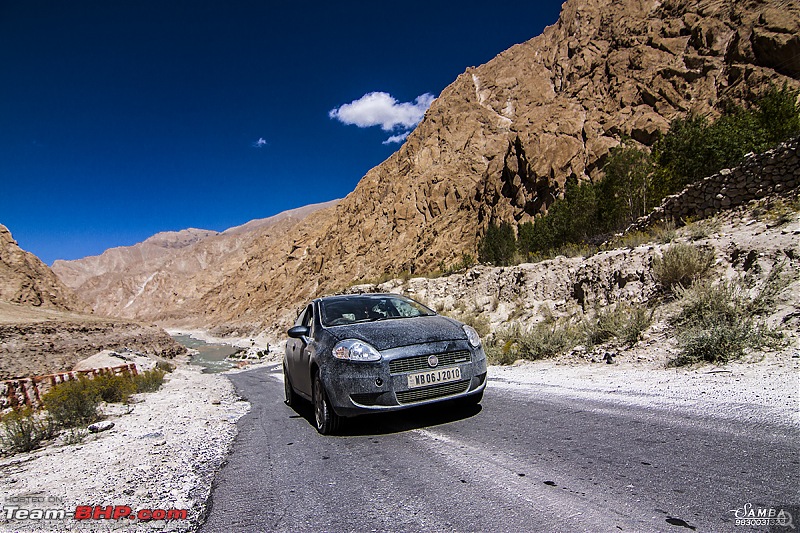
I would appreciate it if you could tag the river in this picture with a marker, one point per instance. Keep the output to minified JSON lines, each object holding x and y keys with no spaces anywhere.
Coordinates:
{"x":212,"y":357}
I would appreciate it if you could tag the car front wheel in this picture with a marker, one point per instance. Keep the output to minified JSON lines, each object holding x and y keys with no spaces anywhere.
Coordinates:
{"x":326,"y":419}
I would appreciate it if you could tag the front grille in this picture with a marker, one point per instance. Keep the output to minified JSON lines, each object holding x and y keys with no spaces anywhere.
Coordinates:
{"x":420,"y":362}
{"x":437,"y":391}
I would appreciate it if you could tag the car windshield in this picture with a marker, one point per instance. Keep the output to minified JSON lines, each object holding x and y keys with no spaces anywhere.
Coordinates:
{"x":341,"y":310}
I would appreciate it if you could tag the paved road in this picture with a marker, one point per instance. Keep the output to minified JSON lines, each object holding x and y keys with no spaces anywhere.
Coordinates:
{"x":523,"y":461}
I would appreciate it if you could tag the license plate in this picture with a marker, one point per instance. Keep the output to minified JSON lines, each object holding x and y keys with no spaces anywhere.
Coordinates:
{"x":433,"y":377}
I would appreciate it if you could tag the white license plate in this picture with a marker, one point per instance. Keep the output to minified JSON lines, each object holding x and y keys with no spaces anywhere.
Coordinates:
{"x":433,"y":377}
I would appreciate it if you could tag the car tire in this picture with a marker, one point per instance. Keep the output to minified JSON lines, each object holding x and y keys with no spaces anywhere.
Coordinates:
{"x":288,"y":391}
{"x":327,"y":421}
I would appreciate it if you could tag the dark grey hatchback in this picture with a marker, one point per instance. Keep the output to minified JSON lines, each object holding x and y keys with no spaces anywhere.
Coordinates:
{"x":356,"y":354}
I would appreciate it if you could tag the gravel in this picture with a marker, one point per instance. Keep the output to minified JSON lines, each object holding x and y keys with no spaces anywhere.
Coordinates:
{"x":162,"y":453}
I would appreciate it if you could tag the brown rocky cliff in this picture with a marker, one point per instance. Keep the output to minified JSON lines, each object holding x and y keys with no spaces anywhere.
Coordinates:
{"x":25,"y":280}
{"x":44,"y":326}
{"x":499,"y":143}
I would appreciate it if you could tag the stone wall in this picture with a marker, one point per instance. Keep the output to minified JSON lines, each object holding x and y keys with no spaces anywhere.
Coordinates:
{"x":774,"y":172}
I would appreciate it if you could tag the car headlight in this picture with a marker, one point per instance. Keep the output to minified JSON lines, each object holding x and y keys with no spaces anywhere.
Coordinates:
{"x":355,"y":350}
{"x":472,"y":336}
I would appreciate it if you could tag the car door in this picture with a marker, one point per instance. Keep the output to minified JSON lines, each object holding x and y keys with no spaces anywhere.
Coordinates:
{"x":298,"y":354}
{"x":294,"y":350}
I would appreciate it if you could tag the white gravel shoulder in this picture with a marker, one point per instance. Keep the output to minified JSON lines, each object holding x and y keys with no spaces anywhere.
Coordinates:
{"x":162,"y":453}
{"x":768,"y":389}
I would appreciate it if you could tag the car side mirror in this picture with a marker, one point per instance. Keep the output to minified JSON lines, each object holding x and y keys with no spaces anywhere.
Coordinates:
{"x":298,"y":332}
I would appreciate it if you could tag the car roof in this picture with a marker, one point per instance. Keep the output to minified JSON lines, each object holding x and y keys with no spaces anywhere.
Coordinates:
{"x":365,"y":295}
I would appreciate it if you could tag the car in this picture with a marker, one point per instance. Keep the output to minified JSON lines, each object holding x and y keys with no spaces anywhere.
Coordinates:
{"x":370,"y":353}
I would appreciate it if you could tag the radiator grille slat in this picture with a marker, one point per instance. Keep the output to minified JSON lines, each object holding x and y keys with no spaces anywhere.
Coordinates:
{"x":420,"y":362}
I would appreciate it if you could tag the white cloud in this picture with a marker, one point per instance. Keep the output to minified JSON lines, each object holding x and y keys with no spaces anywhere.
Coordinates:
{"x":397,"y":138}
{"x":382,"y":109}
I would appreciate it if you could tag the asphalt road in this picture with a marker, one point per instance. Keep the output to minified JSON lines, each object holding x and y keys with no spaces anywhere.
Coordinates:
{"x":523,"y":461}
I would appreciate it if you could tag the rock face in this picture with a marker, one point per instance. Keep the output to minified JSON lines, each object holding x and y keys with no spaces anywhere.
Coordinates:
{"x":25,"y":280}
{"x":498,"y":145}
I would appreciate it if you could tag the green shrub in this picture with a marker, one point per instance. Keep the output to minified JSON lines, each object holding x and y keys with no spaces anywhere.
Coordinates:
{"x":622,"y":321}
{"x":779,"y":114}
{"x":165,"y":366}
{"x":718,"y":341}
{"x":717,"y":322}
{"x":24,"y":429}
{"x":543,"y":340}
{"x":501,"y":352}
{"x":569,"y":220}
{"x":498,"y":245}
{"x":626,"y":191}
{"x":707,"y":300}
{"x":113,"y":388}
{"x":681,"y":265}
{"x":546,"y":340}
{"x":73,"y":403}
{"x":769,"y":294}
{"x":149,"y":381}
{"x":75,"y":435}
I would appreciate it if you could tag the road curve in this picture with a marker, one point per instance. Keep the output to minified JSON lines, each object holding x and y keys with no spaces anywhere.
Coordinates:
{"x":526,"y":460}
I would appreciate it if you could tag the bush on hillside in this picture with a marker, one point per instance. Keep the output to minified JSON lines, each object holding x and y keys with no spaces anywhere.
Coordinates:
{"x":24,"y":429}
{"x":73,"y":403}
{"x":626,"y":192}
{"x":622,"y":321}
{"x":717,"y":322}
{"x":681,"y":265}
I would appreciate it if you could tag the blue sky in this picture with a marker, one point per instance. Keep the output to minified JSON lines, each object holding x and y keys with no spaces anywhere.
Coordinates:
{"x":120,"y":119}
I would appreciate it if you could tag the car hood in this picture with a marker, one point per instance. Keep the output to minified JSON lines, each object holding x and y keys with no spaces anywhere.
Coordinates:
{"x":386,"y":334}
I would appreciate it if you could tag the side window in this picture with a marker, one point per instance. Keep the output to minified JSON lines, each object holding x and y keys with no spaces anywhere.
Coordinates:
{"x":301,"y":320}
{"x":308,"y":319}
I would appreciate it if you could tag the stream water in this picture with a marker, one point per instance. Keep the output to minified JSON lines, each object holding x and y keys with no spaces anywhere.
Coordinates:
{"x":210,"y":356}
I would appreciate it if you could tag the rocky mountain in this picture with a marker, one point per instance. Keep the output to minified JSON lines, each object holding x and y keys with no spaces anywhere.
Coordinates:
{"x":25,"y":280}
{"x":161,"y":277}
{"x":498,"y":144}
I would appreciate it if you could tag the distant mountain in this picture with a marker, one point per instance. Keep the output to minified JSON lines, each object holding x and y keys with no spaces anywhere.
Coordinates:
{"x":163,"y":277}
{"x":498,"y":144}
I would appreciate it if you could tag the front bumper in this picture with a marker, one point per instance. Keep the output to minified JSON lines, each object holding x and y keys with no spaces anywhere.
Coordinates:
{"x":357,"y":388}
